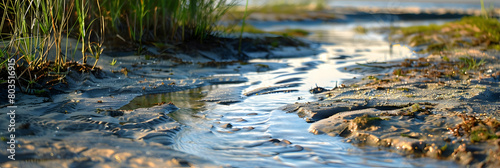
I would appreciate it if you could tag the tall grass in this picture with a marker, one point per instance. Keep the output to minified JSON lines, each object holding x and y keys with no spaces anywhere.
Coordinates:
{"x":37,"y":31}
{"x":60,"y":17}
{"x":4,"y":57}
{"x":37,"y":28}
{"x":484,"y":13}
{"x":82,"y":10}
{"x":96,"y":48}
{"x":171,"y":20}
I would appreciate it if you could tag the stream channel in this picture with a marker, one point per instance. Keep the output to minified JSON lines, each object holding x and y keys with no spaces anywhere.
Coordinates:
{"x":255,"y":133}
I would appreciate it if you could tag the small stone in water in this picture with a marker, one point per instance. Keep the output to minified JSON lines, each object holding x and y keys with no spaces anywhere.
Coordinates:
{"x":286,"y":141}
{"x":227,"y":126}
{"x":249,"y":128}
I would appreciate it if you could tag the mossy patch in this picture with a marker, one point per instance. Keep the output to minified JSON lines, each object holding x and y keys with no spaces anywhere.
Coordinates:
{"x":481,"y":133}
{"x":399,"y":72}
{"x":262,"y":66}
{"x":365,"y":121}
{"x":279,"y":7}
{"x":360,"y":30}
{"x":415,"y":109}
{"x":372,"y":78}
{"x":295,"y":32}
{"x":403,"y":89}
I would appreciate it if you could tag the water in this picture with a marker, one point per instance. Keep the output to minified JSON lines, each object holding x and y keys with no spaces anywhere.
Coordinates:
{"x":263,"y":136}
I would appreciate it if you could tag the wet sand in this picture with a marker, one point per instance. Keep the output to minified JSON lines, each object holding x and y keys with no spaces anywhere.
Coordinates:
{"x":418,"y":107}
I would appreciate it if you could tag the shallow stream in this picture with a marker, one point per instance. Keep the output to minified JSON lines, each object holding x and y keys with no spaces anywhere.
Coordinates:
{"x":254,"y":133}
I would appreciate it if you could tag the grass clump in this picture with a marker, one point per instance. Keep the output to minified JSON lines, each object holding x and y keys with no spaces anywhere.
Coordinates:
{"x":35,"y":31}
{"x":113,"y":62}
{"x":471,"y":63}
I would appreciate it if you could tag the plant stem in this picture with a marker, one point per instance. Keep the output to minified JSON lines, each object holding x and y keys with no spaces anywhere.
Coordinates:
{"x":242,"y":28}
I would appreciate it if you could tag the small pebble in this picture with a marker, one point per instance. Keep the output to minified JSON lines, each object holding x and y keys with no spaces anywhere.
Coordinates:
{"x":249,"y":128}
{"x":227,"y":126}
{"x":241,"y":120}
{"x":286,"y":141}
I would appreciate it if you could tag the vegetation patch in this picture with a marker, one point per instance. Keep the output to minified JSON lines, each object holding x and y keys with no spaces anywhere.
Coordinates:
{"x":399,"y":72}
{"x":360,"y":30}
{"x":283,"y":7}
{"x":481,"y":133}
{"x":33,"y":32}
{"x":252,"y":29}
{"x":471,"y":63}
{"x":365,"y":121}
{"x":416,"y":109}
{"x":476,"y":129}
{"x":479,"y":32}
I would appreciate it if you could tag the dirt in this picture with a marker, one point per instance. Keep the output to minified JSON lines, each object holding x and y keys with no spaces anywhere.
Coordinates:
{"x":427,"y":107}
